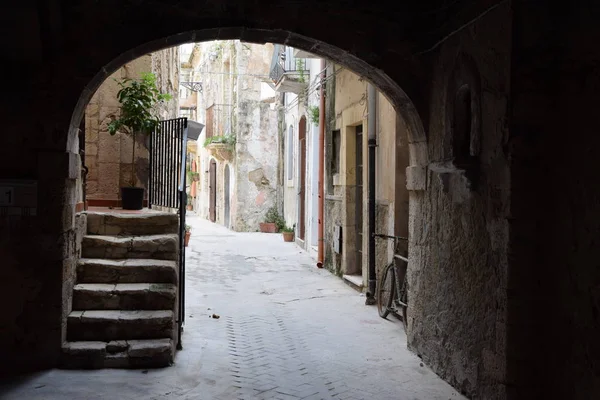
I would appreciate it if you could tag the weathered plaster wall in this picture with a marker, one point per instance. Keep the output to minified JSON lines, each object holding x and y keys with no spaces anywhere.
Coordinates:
{"x":107,"y":157}
{"x":257,"y":139}
{"x":227,"y":80}
{"x":459,"y":258}
{"x":350,"y":109}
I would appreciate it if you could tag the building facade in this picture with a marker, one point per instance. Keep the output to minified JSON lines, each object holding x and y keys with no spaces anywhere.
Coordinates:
{"x":346,"y":168}
{"x":237,"y":151}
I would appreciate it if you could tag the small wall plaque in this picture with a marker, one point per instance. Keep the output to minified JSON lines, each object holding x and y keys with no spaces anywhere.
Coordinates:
{"x":18,"y":197}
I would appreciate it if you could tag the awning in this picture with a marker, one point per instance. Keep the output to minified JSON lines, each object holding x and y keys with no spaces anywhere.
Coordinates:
{"x":194,"y":129}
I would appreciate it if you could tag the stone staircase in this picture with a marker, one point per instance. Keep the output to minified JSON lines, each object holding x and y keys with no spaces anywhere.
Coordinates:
{"x":125,"y":298}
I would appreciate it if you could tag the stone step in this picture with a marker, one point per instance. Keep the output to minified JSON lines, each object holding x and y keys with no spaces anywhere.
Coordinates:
{"x":148,"y":223}
{"x":124,"y":296}
{"x":153,"y":353}
{"x":162,"y":247}
{"x":107,"y":325}
{"x":93,"y":270}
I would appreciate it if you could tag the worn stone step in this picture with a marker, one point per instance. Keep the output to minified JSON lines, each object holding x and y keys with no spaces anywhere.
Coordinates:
{"x":94,"y":270}
{"x":162,"y":247}
{"x":148,"y":223}
{"x":124,"y":296}
{"x":107,"y":325}
{"x":153,"y":353}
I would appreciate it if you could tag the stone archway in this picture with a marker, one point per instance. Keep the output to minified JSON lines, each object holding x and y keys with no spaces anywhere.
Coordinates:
{"x":394,"y":49}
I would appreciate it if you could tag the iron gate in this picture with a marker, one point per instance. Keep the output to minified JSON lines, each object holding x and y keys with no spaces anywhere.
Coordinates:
{"x":166,"y":188}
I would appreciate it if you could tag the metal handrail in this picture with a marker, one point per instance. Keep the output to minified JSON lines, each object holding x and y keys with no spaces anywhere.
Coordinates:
{"x":182,"y":208}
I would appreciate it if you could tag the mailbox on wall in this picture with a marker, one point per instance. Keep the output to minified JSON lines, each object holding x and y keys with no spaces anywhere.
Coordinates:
{"x":18,"y":197}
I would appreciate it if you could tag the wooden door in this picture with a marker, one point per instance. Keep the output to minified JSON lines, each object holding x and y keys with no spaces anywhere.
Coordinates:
{"x":212,"y":205}
{"x":302,"y":178}
{"x":359,"y":198}
{"x":226,"y":195}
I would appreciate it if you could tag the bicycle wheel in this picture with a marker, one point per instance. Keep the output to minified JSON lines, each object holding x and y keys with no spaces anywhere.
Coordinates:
{"x":386,"y":291}
{"x":403,"y":298}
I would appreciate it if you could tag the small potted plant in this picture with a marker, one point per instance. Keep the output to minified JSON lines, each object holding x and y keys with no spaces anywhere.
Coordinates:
{"x":273,"y":221}
{"x":138,"y":100}
{"x":189,"y":205}
{"x":288,"y":233}
{"x":188,"y":233}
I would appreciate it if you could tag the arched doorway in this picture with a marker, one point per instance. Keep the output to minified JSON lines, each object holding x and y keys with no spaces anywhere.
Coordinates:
{"x":212,"y":191}
{"x":227,"y":196}
{"x":302,"y":178}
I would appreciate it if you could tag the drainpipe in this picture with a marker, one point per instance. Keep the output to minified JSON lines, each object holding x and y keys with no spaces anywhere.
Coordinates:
{"x":371,"y":129}
{"x":321,"y":243}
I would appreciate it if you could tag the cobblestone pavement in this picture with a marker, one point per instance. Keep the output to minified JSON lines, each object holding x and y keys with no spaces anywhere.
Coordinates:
{"x":286,"y":330}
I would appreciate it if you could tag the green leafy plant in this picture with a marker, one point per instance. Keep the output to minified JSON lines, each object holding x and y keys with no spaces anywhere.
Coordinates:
{"x":288,"y":229}
{"x":300,"y":69}
{"x":138,"y":99}
{"x":188,"y":228}
{"x":193,"y":176}
{"x":313,"y":113}
{"x":225,"y":139}
{"x":273,"y":216}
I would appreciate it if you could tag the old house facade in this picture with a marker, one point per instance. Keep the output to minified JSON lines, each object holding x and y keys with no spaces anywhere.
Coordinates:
{"x":296,"y":77}
{"x":352,"y":107}
{"x":237,"y":180}
{"x":108,"y":158}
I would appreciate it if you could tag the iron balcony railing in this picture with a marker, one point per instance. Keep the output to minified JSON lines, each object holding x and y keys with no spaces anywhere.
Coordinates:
{"x":284,"y":64}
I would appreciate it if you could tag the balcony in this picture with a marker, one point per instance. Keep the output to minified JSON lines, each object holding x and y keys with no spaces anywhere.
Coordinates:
{"x":288,"y":74}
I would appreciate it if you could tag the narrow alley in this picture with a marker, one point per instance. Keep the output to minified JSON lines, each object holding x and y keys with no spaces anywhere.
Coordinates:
{"x":286,"y":330}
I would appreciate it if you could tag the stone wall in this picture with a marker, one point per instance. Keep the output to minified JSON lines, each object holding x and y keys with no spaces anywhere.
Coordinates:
{"x":458,"y":253}
{"x":109,"y":158}
{"x":257,"y":139}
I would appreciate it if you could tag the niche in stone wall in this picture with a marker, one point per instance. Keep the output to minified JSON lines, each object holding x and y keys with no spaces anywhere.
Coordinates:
{"x":463,"y":119}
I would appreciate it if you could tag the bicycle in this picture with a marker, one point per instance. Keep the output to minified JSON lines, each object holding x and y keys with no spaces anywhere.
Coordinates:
{"x":391,"y":295}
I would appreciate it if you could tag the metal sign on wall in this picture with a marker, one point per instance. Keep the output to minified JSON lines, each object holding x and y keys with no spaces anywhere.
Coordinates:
{"x":18,"y":197}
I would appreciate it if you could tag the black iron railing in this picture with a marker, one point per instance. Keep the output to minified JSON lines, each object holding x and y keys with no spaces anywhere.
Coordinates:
{"x":283,"y":63}
{"x":167,"y":188}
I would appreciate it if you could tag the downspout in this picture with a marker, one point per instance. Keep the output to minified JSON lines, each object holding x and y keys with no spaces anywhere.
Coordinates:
{"x":320,"y":244}
{"x":371,"y":129}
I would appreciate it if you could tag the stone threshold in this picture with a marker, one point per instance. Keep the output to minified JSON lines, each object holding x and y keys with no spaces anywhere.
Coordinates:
{"x":354,"y":281}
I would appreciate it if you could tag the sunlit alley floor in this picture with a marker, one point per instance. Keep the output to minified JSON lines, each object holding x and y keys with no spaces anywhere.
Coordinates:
{"x":286,"y":330}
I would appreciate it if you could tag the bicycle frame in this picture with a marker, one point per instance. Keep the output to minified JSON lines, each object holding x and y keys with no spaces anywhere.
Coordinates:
{"x":399,"y":293}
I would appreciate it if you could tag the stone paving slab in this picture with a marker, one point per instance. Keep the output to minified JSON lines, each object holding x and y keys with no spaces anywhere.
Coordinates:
{"x":286,"y":330}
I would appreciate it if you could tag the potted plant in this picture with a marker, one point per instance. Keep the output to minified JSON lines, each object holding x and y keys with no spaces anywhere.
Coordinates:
{"x":189,"y":205}
{"x":273,"y":221}
{"x":188,"y":233}
{"x":288,"y":233}
{"x":138,"y":99}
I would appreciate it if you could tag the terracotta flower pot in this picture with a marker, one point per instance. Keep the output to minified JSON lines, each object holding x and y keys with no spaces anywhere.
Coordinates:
{"x":268,"y":227}
{"x":187,"y":238}
{"x":288,"y":236}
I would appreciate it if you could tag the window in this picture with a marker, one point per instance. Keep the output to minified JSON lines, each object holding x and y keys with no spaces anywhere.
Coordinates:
{"x":290,"y":154}
{"x":461,"y":129}
{"x":336,"y":143}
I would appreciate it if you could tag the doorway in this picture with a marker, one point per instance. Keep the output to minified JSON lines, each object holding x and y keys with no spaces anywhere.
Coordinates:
{"x":302,"y":177}
{"x":227,"y":194}
{"x":212,"y":186}
{"x":359,"y":198}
